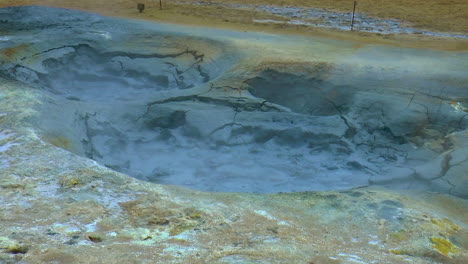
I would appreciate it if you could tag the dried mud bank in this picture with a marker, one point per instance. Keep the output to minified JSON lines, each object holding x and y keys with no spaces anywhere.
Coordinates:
{"x":85,"y":96}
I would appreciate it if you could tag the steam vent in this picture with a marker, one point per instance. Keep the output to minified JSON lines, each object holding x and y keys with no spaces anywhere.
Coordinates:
{"x":129,"y":141}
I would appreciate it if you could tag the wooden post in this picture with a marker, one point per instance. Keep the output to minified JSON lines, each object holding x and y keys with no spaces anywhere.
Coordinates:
{"x":354,"y":10}
{"x":160,"y":4}
{"x":141,"y":7}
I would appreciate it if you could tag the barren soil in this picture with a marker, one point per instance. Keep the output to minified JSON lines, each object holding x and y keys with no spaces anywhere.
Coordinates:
{"x":448,"y":16}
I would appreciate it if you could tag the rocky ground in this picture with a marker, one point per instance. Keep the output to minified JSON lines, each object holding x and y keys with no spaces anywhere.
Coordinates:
{"x":84,"y":96}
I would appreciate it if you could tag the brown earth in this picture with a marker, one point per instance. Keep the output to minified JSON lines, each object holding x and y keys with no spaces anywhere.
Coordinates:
{"x":438,"y":15}
{"x":449,"y":16}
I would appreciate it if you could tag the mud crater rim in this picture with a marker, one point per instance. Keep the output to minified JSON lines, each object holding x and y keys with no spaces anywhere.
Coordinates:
{"x":287,"y":132}
{"x":301,"y":122}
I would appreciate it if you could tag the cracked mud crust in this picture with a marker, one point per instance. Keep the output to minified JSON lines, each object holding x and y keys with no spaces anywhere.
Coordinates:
{"x":80,"y":208}
{"x":209,"y":109}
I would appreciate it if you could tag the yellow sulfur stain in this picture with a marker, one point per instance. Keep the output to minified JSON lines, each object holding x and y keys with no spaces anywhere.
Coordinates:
{"x":401,"y":235}
{"x":74,"y":182}
{"x":68,"y":182}
{"x":195,"y":216}
{"x":446,"y":224}
{"x":397,"y":252}
{"x":443,"y":246}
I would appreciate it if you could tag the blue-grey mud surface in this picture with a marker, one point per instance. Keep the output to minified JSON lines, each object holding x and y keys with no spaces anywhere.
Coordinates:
{"x":221,"y":110}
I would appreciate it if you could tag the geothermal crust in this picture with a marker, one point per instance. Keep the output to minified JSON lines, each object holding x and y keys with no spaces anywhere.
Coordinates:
{"x":89,"y":100}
